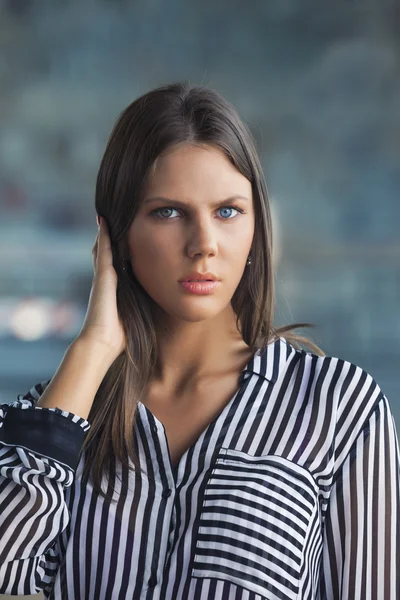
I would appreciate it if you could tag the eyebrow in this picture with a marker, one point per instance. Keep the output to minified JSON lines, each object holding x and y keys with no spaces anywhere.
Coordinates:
{"x":184,"y":204}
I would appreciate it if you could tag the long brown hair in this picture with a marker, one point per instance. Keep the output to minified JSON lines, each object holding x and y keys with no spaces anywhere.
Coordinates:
{"x":151,"y":125}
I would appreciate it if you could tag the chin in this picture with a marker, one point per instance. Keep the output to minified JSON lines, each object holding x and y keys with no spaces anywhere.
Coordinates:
{"x":197,"y":315}
{"x":192,"y":314}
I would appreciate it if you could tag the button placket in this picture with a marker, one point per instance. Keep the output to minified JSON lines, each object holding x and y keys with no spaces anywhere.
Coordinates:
{"x":153,"y":580}
{"x":166,"y":493}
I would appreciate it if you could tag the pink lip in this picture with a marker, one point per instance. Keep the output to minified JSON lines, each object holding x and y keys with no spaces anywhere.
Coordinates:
{"x":200,"y":287}
{"x":197,"y":276}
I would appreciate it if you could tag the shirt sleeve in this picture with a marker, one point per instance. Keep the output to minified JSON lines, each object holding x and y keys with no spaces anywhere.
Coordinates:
{"x":39,"y":452}
{"x":361,"y":541}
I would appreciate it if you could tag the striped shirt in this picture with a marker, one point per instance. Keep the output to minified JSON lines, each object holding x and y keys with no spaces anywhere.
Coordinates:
{"x":290,"y":493}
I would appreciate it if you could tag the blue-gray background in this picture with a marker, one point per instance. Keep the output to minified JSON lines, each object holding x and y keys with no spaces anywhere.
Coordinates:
{"x":317,"y":82}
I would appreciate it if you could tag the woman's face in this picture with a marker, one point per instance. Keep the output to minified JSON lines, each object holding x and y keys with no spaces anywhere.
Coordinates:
{"x":167,"y":240}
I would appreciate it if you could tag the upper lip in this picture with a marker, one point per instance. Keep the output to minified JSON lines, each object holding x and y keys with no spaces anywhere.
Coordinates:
{"x":195,"y":276}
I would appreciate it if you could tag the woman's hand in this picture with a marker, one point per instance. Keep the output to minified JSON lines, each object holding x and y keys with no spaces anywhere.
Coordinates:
{"x":102,"y":325}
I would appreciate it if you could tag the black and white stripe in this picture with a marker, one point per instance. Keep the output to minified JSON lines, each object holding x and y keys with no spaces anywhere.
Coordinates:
{"x":291,"y":493}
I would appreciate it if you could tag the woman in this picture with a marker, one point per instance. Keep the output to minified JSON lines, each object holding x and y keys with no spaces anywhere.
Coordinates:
{"x":235,"y":463}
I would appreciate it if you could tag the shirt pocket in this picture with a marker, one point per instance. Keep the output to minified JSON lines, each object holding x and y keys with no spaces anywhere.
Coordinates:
{"x":254,"y":519}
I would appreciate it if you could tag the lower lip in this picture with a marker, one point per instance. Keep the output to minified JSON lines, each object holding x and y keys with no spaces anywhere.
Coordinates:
{"x":200,"y":287}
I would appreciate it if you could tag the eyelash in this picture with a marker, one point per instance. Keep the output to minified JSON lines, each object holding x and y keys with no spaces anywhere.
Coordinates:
{"x":158,"y":210}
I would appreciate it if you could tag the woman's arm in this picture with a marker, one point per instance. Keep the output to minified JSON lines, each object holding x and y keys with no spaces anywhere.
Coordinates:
{"x":361,"y":542}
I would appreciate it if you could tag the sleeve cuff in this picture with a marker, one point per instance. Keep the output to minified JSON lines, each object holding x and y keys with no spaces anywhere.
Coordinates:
{"x":50,"y":432}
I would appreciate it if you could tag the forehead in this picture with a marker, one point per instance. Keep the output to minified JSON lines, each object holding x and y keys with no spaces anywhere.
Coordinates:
{"x":196,"y":167}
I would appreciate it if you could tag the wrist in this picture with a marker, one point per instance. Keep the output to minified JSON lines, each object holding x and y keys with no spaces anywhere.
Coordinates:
{"x":89,"y":347}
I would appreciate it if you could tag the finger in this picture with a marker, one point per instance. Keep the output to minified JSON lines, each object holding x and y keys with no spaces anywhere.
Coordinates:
{"x":94,"y":257}
{"x":104,"y":251}
{"x":95,"y":246}
{"x":94,"y":251}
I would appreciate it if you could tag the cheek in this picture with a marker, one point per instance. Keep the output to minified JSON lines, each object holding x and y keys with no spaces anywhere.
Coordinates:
{"x":240,"y":250}
{"x":140,"y":241}
{"x":148,"y":254}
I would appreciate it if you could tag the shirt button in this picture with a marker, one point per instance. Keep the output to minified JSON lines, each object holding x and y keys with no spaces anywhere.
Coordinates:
{"x":166,"y":493}
{"x":153,"y":581}
{"x":154,"y":429}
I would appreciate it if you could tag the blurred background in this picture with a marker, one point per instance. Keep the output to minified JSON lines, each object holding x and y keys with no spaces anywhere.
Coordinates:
{"x":318,"y":84}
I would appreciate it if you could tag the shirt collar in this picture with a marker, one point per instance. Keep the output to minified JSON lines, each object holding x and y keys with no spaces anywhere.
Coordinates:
{"x":269,"y":362}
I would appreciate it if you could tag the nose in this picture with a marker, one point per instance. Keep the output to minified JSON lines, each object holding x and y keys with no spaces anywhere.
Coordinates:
{"x":202,"y":240}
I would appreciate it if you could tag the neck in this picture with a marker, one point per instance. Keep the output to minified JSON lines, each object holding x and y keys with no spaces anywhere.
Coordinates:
{"x":191,"y":353}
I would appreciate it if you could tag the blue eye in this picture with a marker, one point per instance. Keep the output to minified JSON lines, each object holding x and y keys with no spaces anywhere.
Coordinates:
{"x":157,"y":212}
{"x":228,"y":208}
